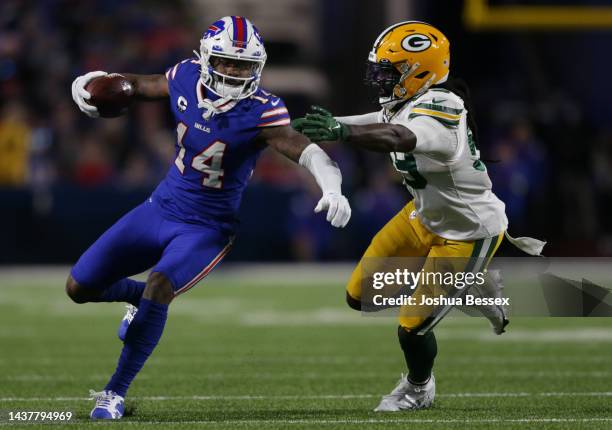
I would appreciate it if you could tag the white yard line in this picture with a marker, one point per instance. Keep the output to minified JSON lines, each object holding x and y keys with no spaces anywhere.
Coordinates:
{"x":317,"y":359}
{"x":340,"y":375}
{"x":311,"y":397}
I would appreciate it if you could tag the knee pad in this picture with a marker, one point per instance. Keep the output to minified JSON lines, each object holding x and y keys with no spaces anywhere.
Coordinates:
{"x":75,"y":291}
{"x":352,"y":302}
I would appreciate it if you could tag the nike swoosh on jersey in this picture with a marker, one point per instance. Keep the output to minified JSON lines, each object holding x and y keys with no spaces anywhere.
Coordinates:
{"x":274,"y":102}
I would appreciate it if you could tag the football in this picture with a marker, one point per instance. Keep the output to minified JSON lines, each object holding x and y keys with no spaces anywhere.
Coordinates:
{"x":111,"y":94}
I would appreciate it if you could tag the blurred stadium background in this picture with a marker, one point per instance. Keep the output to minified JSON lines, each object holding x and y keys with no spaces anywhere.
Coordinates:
{"x":540,"y":83}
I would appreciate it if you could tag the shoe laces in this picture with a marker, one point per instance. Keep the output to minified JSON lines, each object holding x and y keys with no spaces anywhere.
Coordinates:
{"x":131,"y":312}
{"x":102,"y":398}
{"x":401,"y":386}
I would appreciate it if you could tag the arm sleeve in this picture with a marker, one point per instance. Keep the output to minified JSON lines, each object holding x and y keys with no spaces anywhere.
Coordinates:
{"x":324,"y":169}
{"x":365,"y":119}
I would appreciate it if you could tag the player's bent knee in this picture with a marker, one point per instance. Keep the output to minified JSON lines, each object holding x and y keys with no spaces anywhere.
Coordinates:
{"x":75,"y":291}
{"x":411,"y":324}
{"x":352,"y":302}
{"x":159,"y":289}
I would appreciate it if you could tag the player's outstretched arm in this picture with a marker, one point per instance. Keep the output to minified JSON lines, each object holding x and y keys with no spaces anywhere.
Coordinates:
{"x":298,"y":148}
{"x":146,"y":87}
{"x":381,"y":137}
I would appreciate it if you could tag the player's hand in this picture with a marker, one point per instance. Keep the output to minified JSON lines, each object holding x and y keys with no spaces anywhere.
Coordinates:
{"x":80,"y":95}
{"x":321,"y":125}
{"x":338,"y":209}
{"x":298,"y":123}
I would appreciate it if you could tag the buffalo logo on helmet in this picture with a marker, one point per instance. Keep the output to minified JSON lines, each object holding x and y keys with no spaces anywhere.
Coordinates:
{"x":214,"y":29}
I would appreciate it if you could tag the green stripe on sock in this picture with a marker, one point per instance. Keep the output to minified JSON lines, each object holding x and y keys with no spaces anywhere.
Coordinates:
{"x":492,"y":247}
{"x":474,"y":257}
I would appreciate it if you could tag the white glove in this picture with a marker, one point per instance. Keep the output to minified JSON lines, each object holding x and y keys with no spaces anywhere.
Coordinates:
{"x":338,"y":209}
{"x":80,"y":95}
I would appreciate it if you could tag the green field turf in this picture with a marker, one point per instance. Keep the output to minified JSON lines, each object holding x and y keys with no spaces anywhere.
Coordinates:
{"x":273,"y":355}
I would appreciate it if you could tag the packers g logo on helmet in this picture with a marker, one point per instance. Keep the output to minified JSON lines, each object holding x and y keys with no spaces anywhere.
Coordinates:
{"x":406,"y":59}
{"x":416,"y":42}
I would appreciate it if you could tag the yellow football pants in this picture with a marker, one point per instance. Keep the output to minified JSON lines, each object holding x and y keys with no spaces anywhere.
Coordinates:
{"x":405,"y":236}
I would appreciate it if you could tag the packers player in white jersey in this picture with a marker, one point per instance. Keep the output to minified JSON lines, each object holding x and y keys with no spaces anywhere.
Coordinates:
{"x":426,"y":125}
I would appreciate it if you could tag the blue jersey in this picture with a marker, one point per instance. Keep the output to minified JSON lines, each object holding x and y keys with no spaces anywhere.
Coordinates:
{"x":215,"y":157}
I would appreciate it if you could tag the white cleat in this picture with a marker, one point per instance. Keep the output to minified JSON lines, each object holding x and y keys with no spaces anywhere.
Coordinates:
{"x":126,"y":321}
{"x":109,"y":405}
{"x":408,"y":396}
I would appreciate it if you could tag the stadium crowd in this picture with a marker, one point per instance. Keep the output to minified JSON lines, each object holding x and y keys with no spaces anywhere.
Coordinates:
{"x":45,"y":142}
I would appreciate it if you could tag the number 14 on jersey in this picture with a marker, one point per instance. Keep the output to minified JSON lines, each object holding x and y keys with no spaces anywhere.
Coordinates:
{"x":209,"y":161}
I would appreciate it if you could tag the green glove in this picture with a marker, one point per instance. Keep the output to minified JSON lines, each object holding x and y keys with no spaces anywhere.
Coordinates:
{"x":320,"y":110}
{"x":321,"y":125}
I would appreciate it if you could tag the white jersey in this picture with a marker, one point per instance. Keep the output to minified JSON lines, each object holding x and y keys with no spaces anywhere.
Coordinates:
{"x":450,"y":185}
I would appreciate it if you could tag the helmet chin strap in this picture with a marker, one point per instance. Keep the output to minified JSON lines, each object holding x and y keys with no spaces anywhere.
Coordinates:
{"x":212,"y":107}
{"x":215,"y":107}
{"x":390,"y":102}
{"x":398,"y":91}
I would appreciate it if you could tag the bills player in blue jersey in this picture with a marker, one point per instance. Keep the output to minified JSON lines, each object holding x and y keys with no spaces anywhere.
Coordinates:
{"x":224,"y":120}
